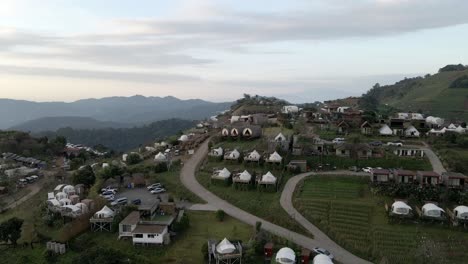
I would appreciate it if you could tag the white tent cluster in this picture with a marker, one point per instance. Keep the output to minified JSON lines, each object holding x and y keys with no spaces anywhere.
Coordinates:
{"x":450,"y":128}
{"x":65,"y":201}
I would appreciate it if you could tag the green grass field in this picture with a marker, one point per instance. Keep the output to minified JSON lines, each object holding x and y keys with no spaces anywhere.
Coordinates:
{"x":345,"y":209}
{"x":263,"y":204}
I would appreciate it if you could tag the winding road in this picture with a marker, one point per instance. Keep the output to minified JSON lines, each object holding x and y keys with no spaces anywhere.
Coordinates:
{"x":188,"y":179}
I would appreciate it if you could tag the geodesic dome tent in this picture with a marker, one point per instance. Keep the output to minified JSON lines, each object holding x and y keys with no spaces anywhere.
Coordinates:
{"x":400,"y":208}
{"x":68,"y":190}
{"x":322,"y":259}
{"x":286,"y":256}
{"x":60,"y":195}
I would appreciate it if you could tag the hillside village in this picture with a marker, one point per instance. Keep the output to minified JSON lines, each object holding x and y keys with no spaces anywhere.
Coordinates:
{"x":272,"y":182}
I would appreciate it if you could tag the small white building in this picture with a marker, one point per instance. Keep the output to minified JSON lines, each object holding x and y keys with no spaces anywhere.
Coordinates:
{"x":432,"y":210}
{"x":280,"y":137}
{"x":275,"y":158}
{"x":401,"y":208}
{"x":253,"y":156}
{"x":461,"y":212}
{"x":285,"y":256}
{"x":149,"y":234}
{"x":290,"y":109}
{"x":385,"y":130}
{"x":411,"y":131}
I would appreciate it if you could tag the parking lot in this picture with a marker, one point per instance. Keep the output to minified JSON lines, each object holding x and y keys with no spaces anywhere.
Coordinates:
{"x":141,"y":193}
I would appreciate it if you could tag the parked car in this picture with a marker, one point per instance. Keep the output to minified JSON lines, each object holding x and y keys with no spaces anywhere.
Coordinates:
{"x":158,"y":190}
{"x":108,"y":193}
{"x":367,"y":169}
{"x":109,"y":197}
{"x":376,"y":143}
{"x":323,"y":251}
{"x":120,"y":201}
{"x":395,"y":143}
{"x":154,"y":185}
{"x":136,"y":202}
{"x":338,"y":140}
{"x":353,"y":168}
{"x":108,"y":188}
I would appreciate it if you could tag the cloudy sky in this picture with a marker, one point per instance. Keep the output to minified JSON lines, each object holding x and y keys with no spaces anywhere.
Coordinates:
{"x":300,"y":50}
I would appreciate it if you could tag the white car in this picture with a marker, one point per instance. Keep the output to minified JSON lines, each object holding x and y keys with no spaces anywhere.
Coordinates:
{"x":109,"y":197}
{"x":367,"y":169}
{"x":108,"y":189}
{"x":120,"y":201}
{"x":338,"y":140}
{"x":158,"y":190}
{"x":154,"y":185}
{"x":396,"y":144}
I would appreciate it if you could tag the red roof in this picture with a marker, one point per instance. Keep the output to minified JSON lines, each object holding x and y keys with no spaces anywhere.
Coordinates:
{"x":381,"y":171}
{"x":404,"y":173}
{"x":428,"y":173}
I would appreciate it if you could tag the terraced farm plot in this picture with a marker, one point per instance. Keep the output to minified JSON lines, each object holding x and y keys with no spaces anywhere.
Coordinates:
{"x":345,"y":209}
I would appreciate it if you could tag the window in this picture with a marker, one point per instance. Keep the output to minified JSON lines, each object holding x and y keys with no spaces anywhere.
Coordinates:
{"x":138,"y":235}
{"x":151,"y":236}
{"x":126,"y":228}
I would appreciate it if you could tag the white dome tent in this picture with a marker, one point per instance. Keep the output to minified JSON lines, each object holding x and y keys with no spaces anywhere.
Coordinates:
{"x":245,"y":176}
{"x":322,"y":259}
{"x":160,"y":157}
{"x":280,"y":137}
{"x":183,"y":138}
{"x":401,"y":208}
{"x":65,"y":201}
{"x":275,"y":157}
{"x":83,"y":207}
{"x":224,"y":173}
{"x":225,"y":247}
{"x":432,"y":210}
{"x":60,"y":195}
{"x":68,"y":190}
{"x":53,"y":202}
{"x":285,"y":256}
{"x":253,"y":156}
{"x":269,"y":178}
{"x":385,"y":130}
{"x":461,"y":212}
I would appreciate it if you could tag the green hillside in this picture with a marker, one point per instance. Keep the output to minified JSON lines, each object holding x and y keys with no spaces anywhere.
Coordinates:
{"x":431,"y":94}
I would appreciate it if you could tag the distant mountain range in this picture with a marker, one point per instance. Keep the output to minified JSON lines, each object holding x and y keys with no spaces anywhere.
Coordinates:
{"x":115,"y":112}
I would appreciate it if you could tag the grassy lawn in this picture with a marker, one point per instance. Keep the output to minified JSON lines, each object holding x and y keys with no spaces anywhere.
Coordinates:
{"x":243,"y":145}
{"x":453,"y":158}
{"x":263,"y":204}
{"x":185,"y":249}
{"x":390,"y":161}
{"x":344,"y":208}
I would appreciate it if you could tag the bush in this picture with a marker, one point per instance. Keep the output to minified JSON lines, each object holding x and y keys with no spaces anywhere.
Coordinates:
{"x":220,"y":214}
{"x":134,"y":158}
{"x":204,"y":250}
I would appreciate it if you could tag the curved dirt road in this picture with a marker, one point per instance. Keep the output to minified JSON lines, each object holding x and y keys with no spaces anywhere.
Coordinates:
{"x":188,"y":179}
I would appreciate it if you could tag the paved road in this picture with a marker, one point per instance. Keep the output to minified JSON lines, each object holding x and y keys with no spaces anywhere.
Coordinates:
{"x":435,"y":161}
{"x":188,"y":179}
{"x":33,"y":190}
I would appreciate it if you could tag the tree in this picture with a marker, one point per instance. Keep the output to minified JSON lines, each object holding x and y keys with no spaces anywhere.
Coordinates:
{"x":84,"y":176}
{"x":220,"y":214}
{"x":10,"y":231}
{"x":134,"y":158}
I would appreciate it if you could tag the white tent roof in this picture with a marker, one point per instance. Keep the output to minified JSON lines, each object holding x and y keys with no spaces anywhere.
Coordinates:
{"x":280,"y":137}
{"x":224,"y":173}
{"x":218,"y":151}
{"x":60,"y":195}
{"x":234,"y":154}
{"x":73,"y":208}
{"x":53,"y":202}
{"x":59,"y":187}
{"x":68,"y":189}
{"x":225,"y":247}
{"x":411,"y":129}
{"x":269,"y":177}
{"x":431,"y":209}
{"x":275,"y":157}
{"x":254,"y":155}
{"x":245,"y":176}
{"x":286,"y":256}
{"x":183,"y":138}
{"x":460,"y":129}
{"x":322,"y":259}
{"x":105,"y":212}
{"x":461,"y":209}
{"x":385,"y":130}
{"x":399,"y":204}
{"x":65,"y":201}
{"x":452,"y":126}
{"x":83,"y":207}
{"x":50,"y":196}
{"x":160,"y":156}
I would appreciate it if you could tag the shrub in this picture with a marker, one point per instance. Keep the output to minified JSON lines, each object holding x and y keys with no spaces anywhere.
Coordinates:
{"x":220,"y":214}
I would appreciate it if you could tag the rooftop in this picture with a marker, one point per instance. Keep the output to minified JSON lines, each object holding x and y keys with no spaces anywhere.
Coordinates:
{"x":149,"y":229}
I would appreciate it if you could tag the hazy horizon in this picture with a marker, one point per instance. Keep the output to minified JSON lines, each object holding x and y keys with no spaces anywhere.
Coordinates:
{"x":218,"y":50}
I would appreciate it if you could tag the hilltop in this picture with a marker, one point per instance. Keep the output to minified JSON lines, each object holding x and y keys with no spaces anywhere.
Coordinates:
{"x":442,"y":94}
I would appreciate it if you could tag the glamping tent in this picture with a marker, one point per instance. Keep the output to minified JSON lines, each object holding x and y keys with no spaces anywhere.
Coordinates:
{"x":459,"y":130}
{"x":280,"y":137}
{"x":452,"y":126}
{"x":385,"y":130}
{"x":224,"y":173}
{"x":160,"y":157}
{"x":233,"y":155}
{"x":322,"y":259}
{"x":432,"y":210}
{"x":461,"y":212}
{"x":225,"y":132}
{"x":285,"y":256}
{"x":50,"y":196}
{"x":105,"y":212}
{"x":83,"y":207}
{"x":69,"y":190}
{"x":183,"y":138}
{"x":411,"y":131}
{"x":235,"y":132}
{"x":275,"y":158}
{"x":253,"y":156}
{"x":245,"y":176}
{"x":268,"y":178}
{"x":60,"y":195}
{"x":217,"y":152}
{"x":65,"y":201}
{"x":53,"y":202}
{"x":225,"y":247}
{"x":401,"y":208}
